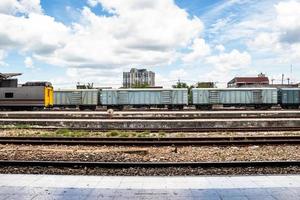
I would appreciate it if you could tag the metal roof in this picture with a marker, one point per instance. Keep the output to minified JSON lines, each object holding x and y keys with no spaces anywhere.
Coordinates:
{"x":144,"y":89}
{"x":8,"y":75}
{"x":234,"y":89}
{"x":250,"y":80}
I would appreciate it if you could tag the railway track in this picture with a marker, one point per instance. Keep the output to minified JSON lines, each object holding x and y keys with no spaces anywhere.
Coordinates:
{"x":155,"y":130}
{"x":74,"y":164}
{"x":160,"y":118}
{"x":152,"y":115}
{"x":204,"y":141}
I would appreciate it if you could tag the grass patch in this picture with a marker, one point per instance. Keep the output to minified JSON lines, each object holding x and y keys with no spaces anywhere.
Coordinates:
{"x":161,"y":134}
{"x":113,"y":133}
{"x":25,"y":130}
{"x":16,"y":126}
{"x":70,"y":133}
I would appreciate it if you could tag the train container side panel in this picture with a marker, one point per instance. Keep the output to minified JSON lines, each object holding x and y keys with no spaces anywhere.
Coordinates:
{"x":89,"y":97}
{"x":200,"y":97}
{"x":229,"y":97}
{"x":143,"y":97}
{"x":270,"y":96}
{"x":109,"y":97}
{"x":63,"y":98}
{"x":180,"y":97}
{"x":31,"y":96}
{"x":76,"y":97}
{"x":234,"y":96}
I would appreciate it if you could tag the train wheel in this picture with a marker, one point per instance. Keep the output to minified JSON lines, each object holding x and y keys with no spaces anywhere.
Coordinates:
{"x":203,"y":107}
{"x":180,"y":107}
{"x":170,"y":107}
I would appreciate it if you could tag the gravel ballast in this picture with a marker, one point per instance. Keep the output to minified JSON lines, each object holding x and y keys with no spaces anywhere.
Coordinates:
{"x":150,"y":154}
{"x":64,"y":132}
{"x":170,"y":171}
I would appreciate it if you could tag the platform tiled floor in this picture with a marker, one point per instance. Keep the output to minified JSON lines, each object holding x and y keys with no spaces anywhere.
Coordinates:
{"x":131,"y":188}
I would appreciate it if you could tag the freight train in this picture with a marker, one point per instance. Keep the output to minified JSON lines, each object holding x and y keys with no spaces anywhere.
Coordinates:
{"x":40,"y":95}
{"x":202,"y":98}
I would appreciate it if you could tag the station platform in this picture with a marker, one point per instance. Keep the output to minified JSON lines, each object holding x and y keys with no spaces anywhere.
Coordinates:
{"x":13,"y":186}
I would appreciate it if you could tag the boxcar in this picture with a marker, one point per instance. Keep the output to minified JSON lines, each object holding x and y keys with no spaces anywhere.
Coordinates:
{"x":289,"y":98}
{"x":118,"y":98}
{"x":31,"y":95}
{"x":76,"y":98}
{"x":205,"y":98}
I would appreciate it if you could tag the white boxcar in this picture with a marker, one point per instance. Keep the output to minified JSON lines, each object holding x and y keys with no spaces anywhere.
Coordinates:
{"x":144,"y":97}
{"x":82,"y":98}
{"x":206,"y":97}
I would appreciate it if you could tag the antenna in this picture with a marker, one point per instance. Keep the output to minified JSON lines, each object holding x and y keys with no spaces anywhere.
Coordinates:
{"x":291,"y":76}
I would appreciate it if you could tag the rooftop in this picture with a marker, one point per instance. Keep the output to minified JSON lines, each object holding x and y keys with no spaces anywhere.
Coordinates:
{"x":8,"y":75}
{"x":250,"y":80}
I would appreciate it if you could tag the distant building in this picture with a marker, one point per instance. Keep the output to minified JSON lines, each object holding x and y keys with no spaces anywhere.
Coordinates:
{"x":260,"y":81}
{"x":294,"y":85}
{"x":138,"y":78}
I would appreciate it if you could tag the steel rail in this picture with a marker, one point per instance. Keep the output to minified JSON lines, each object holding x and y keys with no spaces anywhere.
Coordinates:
{"x":153,"y":141}
{"x":75,"y":164}
{"x":167,"y":130}
{"x":156,"y":117}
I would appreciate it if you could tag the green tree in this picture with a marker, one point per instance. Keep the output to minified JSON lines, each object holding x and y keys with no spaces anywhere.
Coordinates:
{"x":180,"y":85}
{"x":137,"y":85}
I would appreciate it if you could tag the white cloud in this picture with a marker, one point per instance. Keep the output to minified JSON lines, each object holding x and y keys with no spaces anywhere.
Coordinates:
{"x":288,"y":14}
{"x":264,"y":41}
{"x":178,"y":74}
{"x":36,"y":33}
{"x":220,"y":48}
{"x":281,"y":35}
{"x":288,"y":20}
{"x":20,"y":6}
{"x":199,"y":50}
{"x":28,"y":62}
{"x":92,"y":3}
{"x":2,"y":57}
{"x":138,"y":33}
{"x":230,"y":61}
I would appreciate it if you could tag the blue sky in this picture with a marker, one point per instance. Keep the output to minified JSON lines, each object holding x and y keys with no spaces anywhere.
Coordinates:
{"x":72,"y":41}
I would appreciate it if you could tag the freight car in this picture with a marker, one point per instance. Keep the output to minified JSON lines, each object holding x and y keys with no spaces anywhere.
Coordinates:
{"x":118,"y":98}
{"x":78,"y":98}
{"x":160,"y":98}
{"x":259,"y":98}
{"x":289,"y":98}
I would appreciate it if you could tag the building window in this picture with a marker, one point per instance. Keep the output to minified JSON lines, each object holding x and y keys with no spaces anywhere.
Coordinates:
{"x":9,"y":95}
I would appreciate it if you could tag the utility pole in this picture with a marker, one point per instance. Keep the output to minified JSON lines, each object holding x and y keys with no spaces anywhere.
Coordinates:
{"x":282,"y":78}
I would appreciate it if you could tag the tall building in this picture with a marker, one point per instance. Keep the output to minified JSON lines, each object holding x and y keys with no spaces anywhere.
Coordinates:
{"x":138,"y":78}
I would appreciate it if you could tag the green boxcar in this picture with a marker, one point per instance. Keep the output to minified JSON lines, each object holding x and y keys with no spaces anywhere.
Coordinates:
{"x":289,"y":97}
